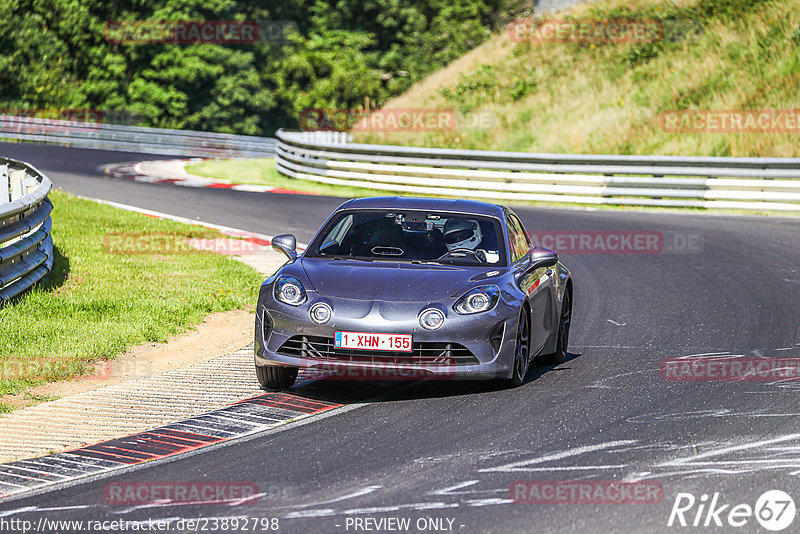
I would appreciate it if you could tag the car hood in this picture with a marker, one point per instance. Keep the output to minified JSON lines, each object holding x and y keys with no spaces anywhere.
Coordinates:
{"x":398,"y":282}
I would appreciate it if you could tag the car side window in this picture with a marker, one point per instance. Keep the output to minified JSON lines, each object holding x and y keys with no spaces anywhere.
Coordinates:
{"x":518,"y":243}
{"x":524,"y":234}
{"x":337,"y":234}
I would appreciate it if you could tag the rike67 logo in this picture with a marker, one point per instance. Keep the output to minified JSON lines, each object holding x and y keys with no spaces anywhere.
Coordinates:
{"x":774,"y":510}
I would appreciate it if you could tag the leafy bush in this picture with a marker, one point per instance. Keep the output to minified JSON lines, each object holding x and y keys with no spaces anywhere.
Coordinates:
{"x":344,"y":53}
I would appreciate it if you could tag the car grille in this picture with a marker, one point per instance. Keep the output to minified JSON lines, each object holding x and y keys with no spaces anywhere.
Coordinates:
{"x":424,"y":353}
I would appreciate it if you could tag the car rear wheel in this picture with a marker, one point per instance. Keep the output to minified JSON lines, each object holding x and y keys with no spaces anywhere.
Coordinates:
{"x":563,"y":329}
{"x":522,"y":349}
{"x":276,"y":377}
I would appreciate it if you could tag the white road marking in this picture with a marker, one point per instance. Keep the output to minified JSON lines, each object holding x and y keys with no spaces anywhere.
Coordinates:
{"x":358,"y":493}
{"x":715,"y":356}
{"x":724,"y":450}
{"x":450,"y":490}
{"x":771,"y":461}
{"x":716,"y":412}
{"x":600,"y":384}
{"x":522,"y":465}
{"x":324,"y":512}
{"x":572,"y":468}
{"x":487,"y":502}
{"x":26,"y":509}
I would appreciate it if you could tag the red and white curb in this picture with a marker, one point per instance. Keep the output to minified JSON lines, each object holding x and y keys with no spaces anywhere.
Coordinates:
{"x":135,"y":171}
{"x":243,"y":418}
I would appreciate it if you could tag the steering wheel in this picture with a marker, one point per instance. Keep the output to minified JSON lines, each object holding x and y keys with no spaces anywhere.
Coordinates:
{"x":467,"y":251}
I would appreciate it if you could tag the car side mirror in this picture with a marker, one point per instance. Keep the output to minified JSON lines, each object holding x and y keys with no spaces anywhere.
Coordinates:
{"x":543,"y":257}
{"x":286,"y":244}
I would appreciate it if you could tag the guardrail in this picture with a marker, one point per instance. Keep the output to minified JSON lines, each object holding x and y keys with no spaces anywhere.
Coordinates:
{"x":133,"y":138}
{"x":26,"y":247}
{"x":668,"y":181}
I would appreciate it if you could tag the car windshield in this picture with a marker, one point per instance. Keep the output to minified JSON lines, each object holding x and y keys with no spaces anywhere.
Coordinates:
{"x":411,"y":236}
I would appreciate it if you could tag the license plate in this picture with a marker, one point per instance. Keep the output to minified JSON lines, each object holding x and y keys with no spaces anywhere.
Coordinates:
{"x":364,"y":341}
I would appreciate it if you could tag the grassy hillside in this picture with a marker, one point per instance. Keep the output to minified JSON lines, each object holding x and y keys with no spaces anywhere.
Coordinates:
{"x":607,"y":97}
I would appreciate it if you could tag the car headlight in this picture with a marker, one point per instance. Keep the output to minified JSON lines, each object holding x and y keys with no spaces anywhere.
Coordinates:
{"x":431,"y":319}
{"x":478,"y":300}
{"x":289,"y":290}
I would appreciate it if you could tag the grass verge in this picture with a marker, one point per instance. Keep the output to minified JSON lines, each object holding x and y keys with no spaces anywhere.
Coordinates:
{"x":99,"y":299}
{"x":608,"y":97}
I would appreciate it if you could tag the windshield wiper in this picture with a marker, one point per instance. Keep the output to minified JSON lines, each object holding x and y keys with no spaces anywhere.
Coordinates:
{"x":342,"y":258}
{"x":387,"y":259}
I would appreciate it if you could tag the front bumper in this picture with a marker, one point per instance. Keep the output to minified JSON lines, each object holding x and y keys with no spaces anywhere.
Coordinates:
{"x":277,"y":322}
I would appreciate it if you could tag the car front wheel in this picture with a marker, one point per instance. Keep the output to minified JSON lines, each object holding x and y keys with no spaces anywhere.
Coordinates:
{"x":563,"y":330}
{"x":276,"y":377}
{"x":522,"y":349}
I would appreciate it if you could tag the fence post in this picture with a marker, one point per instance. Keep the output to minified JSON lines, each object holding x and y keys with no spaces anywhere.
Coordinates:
{"x":16,"y":177}
{"x":5,"y":186}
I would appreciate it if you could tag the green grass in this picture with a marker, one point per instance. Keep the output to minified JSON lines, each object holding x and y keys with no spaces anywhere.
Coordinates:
{"x":240,"y":171}
{"x":97,"y":302}
{"x":605,"y":98}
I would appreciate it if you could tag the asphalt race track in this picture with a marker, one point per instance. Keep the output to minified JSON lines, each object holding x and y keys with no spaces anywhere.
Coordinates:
{"x":449,"y":451}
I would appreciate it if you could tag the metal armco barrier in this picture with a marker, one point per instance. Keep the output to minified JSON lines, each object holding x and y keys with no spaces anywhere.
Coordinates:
{"x":668,"y":181}
{"x":134,"y":139}
{"x":26,"y":248}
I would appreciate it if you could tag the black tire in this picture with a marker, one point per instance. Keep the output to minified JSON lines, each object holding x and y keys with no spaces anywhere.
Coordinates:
{"x":276,"y":377}
{"x":563,"y":330}
{"x":522,"y":349}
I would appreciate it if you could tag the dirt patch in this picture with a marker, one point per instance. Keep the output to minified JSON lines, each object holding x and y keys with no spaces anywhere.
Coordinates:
{"x":219,"y":333}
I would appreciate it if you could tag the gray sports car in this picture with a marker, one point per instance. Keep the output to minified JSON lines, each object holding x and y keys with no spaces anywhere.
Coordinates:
{"x":429,"y":288}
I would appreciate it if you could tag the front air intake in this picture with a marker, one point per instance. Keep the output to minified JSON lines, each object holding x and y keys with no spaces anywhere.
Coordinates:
{"x":424,"y":353}
{"x":267,"y":325}
{"x":496,"y":336}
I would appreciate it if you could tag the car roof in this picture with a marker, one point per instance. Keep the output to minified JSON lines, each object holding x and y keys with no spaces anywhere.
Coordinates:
{"x":473,"y":207}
